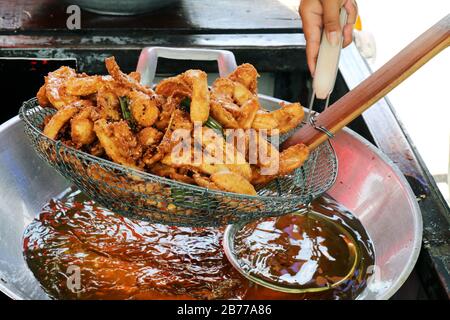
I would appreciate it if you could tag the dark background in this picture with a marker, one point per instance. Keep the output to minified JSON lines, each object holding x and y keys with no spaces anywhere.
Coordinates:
{"x":20,"y":79}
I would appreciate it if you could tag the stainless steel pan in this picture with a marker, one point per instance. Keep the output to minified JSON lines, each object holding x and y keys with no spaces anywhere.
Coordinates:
{"x":368,"y":184}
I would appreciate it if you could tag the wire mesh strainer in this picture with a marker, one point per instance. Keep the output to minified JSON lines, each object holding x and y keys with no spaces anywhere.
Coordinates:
{"x":141,"y":195}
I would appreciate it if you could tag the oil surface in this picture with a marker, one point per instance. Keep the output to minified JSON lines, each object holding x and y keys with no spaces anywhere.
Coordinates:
{"x":78,"y":250}
{"x":307,"y":252}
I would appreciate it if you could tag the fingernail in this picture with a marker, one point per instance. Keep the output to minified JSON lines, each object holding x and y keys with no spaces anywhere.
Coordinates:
{"x":333,"y":38}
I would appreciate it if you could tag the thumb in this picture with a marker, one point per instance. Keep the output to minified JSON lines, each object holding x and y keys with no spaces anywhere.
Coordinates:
{"x":331,"y":23}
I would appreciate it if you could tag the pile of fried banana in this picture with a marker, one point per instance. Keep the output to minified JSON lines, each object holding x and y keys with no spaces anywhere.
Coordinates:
{"x":117,"y":118}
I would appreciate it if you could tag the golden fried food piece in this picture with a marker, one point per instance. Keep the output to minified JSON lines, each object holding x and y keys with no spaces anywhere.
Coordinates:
{"x":289,"y":160}
{"x":42,"y":97}
{"x":199,"y":110}
{"x":248,"y":113}
{"x":108,"y":105}
{"x":220,"y":152}
{"x":174,"y":87}
{"x":205,"y":157}
{"x":167,"y":109}
{"x":161,"y":150}
{"x":288,"y":117}
{"x":233,"y":182}
{"x":82,"y":127}
{"x":193,"y":84}
{"x":143,"y":108}
{"x":55,"y":85}
{"x":59,"y":119}
{"x":83,"y":86}
{"x":260,"y":179}
{"x":222,"y":90}
{"x":293,"y":158}
{"x":247,"y":75}
{"x":135,"y":75}
{"x":224,"y":96}
{"x":115,"y":86}
{"x":124,"y":79}
{"x":209,"y":168}
{"x":241,"y":94}
{"x":119,"y":142}
{"x":262,"y":152}
{"x":205,"y":182}
{"x":204,"y":167}
{"x":170,"y":172}
{"x":149,"y":136}
{"x":264,"y":120}
{"x":181,"y":120}
{"x":223,"y":116}
{"x":178,"y":120}
{"x":210,"y":153}
{"x":232,"y":108}
{"x":223,"y":108}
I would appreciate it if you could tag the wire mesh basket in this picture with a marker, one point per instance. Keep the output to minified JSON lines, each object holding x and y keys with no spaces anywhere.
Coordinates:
{"x":137,"y":194}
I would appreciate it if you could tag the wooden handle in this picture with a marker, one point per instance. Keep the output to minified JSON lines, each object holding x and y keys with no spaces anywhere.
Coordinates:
{"x":376,"y":86}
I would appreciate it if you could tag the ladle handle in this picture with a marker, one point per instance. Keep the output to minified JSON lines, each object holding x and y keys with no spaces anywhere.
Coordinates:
{"x":376,"y":86}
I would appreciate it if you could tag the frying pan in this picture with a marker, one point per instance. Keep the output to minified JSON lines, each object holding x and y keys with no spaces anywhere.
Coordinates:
{"x":369,"y":184}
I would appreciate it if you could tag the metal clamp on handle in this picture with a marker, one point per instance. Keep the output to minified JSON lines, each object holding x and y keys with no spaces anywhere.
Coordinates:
{"x":312,"y":122}
{"x":148,"y":60}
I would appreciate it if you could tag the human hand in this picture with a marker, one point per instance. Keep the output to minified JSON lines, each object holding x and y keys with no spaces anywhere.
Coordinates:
{"x":324,"y":14}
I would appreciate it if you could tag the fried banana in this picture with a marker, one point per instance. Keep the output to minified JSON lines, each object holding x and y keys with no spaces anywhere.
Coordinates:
{"x":83,"y":86}
{"x":288,"y":117}
{"x":149,"y":136}
{"x":60,"y":118}
{"x":126,"y":80}
{"x":143,"y":108}
{"x":233,"y":182}
{"x":55,"y":85}
{"x":199,"y":109}
{"x":247,"y":75}
{"x":82,"y":127}
{"x":289,"y":160}
{"x":119,"y":142}
{"x":42,"y":97}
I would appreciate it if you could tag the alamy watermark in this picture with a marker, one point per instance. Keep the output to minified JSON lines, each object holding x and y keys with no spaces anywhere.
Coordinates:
{"x":73,"y":278}
{"x":73,"y":21}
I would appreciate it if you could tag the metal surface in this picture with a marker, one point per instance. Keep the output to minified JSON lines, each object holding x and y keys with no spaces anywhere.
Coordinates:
{"x":121,"y":7}
{"x":267,"y":52}
{"x":389,"y":134}
{"x":368,"y":184}
{"x":148,"y":60}
{"x":141,"y":195}
{"x":186,"y":16}
{"x":371,"y":186}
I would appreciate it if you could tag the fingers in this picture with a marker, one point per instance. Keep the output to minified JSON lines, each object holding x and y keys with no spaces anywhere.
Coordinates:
{"x":318,"y":13}
{"x":312,"y":36}
{"x":311,"y":14}
{"x":331,"y":9}
{"x":352,"y":10}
